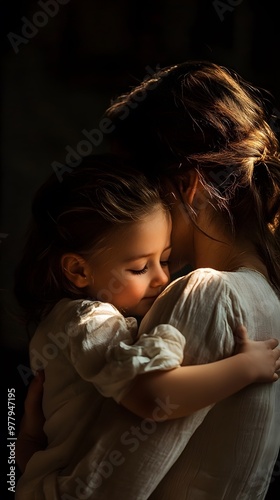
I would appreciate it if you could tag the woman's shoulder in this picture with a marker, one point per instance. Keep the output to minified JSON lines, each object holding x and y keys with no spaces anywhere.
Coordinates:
{"x":199,"y":293}
{"x":203,"y":278}
{"x":228,"y":282}
{"x":198,"y":288}
{"x":196,"y":303}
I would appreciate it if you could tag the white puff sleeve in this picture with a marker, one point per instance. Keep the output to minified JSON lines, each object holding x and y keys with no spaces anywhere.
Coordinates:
{"x":105,"y":350}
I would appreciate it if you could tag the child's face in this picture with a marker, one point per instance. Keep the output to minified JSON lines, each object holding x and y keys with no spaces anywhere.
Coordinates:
{"x":133,"y":270}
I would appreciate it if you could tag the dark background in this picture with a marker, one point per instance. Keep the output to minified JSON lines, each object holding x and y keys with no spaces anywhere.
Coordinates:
{"x":59,"y":77}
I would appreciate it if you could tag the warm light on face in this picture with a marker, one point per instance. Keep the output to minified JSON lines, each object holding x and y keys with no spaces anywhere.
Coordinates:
{"x":134,"y":268}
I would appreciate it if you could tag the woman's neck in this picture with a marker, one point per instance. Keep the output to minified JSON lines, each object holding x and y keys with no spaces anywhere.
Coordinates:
{"x":225,"y":255}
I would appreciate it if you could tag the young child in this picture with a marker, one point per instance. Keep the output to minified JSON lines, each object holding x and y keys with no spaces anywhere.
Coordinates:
{"x":95,"y":259}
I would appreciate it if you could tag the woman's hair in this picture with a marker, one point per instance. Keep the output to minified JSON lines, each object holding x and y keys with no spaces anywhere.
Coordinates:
{"x":202,"y":116}
{"x":95,"y":199}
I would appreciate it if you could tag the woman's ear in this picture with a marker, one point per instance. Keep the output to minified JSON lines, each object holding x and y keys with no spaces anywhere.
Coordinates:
{"x":188,"y":187}
{"x":75,"y":269}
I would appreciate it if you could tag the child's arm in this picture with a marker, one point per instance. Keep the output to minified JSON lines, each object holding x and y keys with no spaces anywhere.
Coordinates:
{"x":190,"y":388}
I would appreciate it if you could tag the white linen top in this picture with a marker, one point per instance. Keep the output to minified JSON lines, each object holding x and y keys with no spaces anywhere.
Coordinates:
{"x":99,"y":450}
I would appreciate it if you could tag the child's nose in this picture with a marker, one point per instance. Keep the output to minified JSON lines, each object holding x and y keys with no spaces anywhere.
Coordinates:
{"x":160,"y":278}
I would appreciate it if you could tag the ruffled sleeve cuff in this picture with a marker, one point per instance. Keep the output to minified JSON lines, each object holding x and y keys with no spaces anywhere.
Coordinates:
{"x":161,"y":349}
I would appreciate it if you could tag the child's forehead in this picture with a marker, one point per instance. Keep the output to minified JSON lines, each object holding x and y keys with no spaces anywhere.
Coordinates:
{"x":154,"y":227}
{"x":152,"y":217}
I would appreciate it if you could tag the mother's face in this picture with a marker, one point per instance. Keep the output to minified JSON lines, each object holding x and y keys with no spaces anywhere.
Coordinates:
{"x":182,"y":253}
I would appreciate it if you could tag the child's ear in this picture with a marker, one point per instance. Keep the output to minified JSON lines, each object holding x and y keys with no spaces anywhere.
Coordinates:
{"x":75,"y":269}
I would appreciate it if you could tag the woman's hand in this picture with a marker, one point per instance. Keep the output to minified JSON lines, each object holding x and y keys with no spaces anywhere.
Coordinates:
{"x":263,"y":355}
{"x":31,"y":437}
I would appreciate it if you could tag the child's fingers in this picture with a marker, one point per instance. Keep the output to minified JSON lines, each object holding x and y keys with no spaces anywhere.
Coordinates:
{"x":240,"y":334}
{"x":33,"y":419}
{"x":35,"y":391}
{"x":277,"y":362}
{"x":273,"y":343}
{"x":276,"y":351}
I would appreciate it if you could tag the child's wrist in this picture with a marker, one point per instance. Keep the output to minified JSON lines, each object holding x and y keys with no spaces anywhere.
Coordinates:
{"x":250,"y":370}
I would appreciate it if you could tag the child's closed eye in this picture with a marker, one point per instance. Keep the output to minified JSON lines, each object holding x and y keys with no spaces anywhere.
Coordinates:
{"x":139,"y":271}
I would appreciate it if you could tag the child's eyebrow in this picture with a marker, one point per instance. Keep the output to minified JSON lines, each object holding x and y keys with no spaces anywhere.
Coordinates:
{"x":144,"y":256}
{"x":138,"y":257}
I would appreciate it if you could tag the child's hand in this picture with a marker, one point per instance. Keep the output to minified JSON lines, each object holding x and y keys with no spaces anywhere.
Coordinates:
{"x":263,"y":355}
{"x":31,"y":436}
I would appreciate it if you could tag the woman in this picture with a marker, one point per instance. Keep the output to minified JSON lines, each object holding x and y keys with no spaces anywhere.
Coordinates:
{"x":204,"y":134}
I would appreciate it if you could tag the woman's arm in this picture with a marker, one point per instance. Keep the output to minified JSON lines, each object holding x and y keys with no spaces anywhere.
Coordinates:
{"x":190,"y":388}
